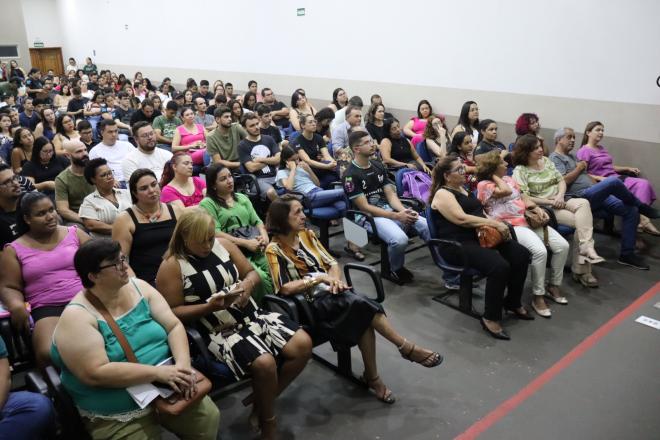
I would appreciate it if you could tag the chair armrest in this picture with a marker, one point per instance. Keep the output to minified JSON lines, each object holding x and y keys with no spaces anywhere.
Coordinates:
{"x":287,"y":305}
{"x":377,"y":280}
{"x":415,"y":204}
{"x":196,"y":342}
{"x":250,"y":181}
{"x":36,"y":383}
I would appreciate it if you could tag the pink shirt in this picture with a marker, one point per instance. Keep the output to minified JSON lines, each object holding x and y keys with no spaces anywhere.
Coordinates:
{"x":188,"y":138}
{"x":169,"y":193}
{"x":49,"y":276}
{"x":510,"y":209}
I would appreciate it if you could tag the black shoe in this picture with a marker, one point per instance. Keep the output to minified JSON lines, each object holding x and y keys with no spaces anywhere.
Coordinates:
{"x":502,"y":334}
{"x":406,"y":275}
{"x":633,"y":260}
{"x":524,"y":316}
{"x":648,"y":211}
{"x":394,"y":277}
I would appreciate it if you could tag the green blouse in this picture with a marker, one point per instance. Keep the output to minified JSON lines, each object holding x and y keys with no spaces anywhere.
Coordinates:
{"x":543,"y":183}
{"x":227,"y":219}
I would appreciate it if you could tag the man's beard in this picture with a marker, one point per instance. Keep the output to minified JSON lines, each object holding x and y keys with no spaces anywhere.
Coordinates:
{"x":80,"y":162}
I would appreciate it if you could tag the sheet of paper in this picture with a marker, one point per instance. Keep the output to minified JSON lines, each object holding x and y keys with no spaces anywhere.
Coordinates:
{"x":143,"y":394}
{"x":649,"y":321}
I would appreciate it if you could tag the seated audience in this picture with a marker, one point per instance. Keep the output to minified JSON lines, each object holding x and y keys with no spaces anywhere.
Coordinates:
{"x":462,"y":146}
{"x":267,"y":127}
{"x":29,"y":118}
{"x":237,"y":221}
{"x":123,"y":112}
{"x":340,"y":115}
{"x":339,"y":99}
{"x":236,"y":111}
{"x":609,"y":195}
{"x":208,"y":283}
{"x":250,"y":101}
{"x":46,"y":127}
{"x":222,"y":143}
{"x":299,"y":264}
{"x":22,"y":149}
{"x":279,"y":111}
{"x":600,"y":165}
{"x":324,"y":118}
{"x":165,"y":125}
{"x":414,"y":128}
{"x":468,"y":122}
{"x":488,"y":140}
{"x":456,"y":216}
{"x":147,"y":112}
{"x":397,"y":151}
{"x":203,"y":92}
{"x":99,"y":209}
{"x":112,"y":149}
{"x":76,"y":105}
{"x":44,"y":166}
{"x":144,"y":229}
{"x":23,"y":414}
{"x":201,"y":117}
{"x":340,"y":133}
{"x":6,"y":137}
{"x":93,"y":365}
{"x":376,"y":122}
{"x":539,"y":179}
{"x":369,"y":190}
{"x":38,"y":268}
{"x":146,"y":155}
{"x":86,"y":135}
{"x":95,"y":111}
{"x":71,"y":188}
{"x":65,"y":130}
{"x":178,"y":182}
{"x":312,"y":150}
{"x":61,"y":101}
{"x":260,"y":156}
{"x":503,"y":201}
{"x":190,"y":137}
{"x":299,"y":106}
{"x":436,"y":137}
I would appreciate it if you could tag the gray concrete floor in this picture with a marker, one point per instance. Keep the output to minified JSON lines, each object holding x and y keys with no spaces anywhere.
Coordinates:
{"x":611,"y":392}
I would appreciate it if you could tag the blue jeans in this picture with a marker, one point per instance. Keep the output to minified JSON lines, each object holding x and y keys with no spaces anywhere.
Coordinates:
{"x":331,"y":197}
{"x":612,"y":196}
{"x":392,"y":233}
{"x":26,"y":416}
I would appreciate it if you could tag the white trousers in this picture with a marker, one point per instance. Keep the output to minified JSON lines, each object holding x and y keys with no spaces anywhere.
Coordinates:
{"x":533,"y":241}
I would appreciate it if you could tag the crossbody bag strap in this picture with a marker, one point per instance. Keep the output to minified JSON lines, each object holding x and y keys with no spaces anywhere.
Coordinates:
{"x":123,"y":342}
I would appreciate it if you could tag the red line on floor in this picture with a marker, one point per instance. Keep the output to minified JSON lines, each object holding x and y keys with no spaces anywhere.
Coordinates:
{"x":512,"y":403}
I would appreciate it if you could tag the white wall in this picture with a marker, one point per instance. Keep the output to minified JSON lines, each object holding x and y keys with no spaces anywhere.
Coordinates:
{"x":580,"y":49}
{"x":42,"y":22}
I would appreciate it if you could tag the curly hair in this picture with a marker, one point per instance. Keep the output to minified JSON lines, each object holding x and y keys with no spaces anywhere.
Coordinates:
{"x":487,"y":165}
{"x":524,"y":121}
{"x":525,"y":144}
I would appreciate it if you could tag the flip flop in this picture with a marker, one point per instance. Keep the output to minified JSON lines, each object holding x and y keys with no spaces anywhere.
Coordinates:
{"x":359,"y":256}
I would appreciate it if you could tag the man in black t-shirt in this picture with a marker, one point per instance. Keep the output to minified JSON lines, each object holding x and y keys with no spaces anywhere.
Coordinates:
{"x":76,"y":105}
{"x":145,"y":113}
{"x":33,"y":84}
{"x":266,"y":126}
{"x":123,"y":113}
{"x":279,"y":111}
{"x":10,"y":190}
{"x":260,"y":155}
{"x":204,"y":92}
{"x":370,"y":190}
{"x":312,"y":150}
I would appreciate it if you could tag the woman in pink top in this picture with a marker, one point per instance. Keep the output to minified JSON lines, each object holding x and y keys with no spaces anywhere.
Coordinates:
{"x":600,"y":165}
{"x":178,"y":183}
{"x":190,"y":137}
{"x":416,"y":126}
{"x":38,"y":268}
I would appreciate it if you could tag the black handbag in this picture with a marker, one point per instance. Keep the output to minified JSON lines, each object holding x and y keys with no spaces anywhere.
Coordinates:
{"x":244,"y":232}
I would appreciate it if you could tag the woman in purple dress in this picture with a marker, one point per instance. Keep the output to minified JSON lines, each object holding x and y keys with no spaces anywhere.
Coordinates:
{"x":600,"y":165}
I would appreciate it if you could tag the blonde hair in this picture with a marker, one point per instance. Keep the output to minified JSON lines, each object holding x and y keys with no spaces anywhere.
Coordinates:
{"x":192,"y":225}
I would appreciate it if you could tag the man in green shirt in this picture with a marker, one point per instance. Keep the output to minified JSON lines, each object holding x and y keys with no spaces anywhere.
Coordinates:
{"x":70,"y":185}
{"x":165,"y":126}
{"x":222,"y":143}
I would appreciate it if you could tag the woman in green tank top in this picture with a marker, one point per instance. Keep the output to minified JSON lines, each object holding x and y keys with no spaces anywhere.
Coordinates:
{"x":93,"y":365}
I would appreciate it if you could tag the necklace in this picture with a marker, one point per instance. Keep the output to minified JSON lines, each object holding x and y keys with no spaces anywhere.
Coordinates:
{"x":153,"y":218}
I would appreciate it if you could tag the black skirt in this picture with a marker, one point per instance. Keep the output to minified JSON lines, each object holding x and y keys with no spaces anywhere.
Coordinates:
{"x":343,"y":318}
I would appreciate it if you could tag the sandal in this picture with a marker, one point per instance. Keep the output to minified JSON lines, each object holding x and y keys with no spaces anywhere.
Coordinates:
{"x":387,"y":396}
{"x":267,"y":428}
{"x":430,"y":361}
{"x":359,"y":256}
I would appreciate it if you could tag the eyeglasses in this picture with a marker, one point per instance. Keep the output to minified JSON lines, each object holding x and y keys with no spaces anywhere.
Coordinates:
{"x":12,"y":180}
{"x":106,"y":174}
{"x":459,"y":169}
{"x":118,"y":265}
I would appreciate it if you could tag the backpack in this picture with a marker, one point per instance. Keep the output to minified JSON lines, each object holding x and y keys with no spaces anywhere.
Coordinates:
{"x":416,"y":185}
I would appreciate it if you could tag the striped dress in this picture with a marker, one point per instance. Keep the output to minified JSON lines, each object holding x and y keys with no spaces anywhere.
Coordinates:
{"x":234,"y":336}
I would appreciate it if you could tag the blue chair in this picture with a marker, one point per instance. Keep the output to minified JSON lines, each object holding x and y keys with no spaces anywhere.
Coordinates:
{"x":424,"y":152}
{"x":467,"y":274}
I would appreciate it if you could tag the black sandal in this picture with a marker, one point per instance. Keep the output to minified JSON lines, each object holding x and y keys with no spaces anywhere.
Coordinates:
{"x":430,"y":361}
{"x":386,"y":397}
{"x":359,"y":256}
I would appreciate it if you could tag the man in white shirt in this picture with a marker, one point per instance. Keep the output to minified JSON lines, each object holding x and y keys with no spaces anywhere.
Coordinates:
{"x":112,"y":149}
{"x":340,"y":115}
{"x":340,"y":132}
{"x":146,"y":155}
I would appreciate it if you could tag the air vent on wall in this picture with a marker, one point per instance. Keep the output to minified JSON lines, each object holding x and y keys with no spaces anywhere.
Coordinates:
{"x":9,"y":51}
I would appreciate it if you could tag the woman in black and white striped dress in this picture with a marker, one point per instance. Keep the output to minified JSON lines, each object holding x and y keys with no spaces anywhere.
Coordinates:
{"x":208,"y":283}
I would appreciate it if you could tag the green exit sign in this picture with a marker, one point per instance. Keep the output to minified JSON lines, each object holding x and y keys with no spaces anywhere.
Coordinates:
{"x":300,"y":12}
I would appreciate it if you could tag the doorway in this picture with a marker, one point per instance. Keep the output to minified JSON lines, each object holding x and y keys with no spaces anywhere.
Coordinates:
{"x":48,"y":58}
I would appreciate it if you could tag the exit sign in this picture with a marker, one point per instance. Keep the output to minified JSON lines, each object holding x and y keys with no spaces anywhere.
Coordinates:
{"x":300,"y":12}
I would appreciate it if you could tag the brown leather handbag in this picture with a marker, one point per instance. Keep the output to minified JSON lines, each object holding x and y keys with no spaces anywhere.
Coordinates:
{"x":489,"y":236}
{"x":173,"y":405}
